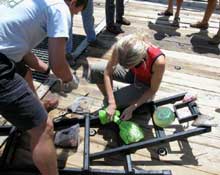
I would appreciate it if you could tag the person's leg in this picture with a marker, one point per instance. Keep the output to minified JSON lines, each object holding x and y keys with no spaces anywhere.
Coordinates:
{"x":169,"y":10}
{"x":21,"y":108}
{"x":203,"y":24}
{"x":209,"y":10}
{"x":120,"y":19}
{"x":176,"y":21}
{"x":178,"y":7}
{"x":109,"y":12}
{"x":119,"y":9}
{"x":216,"y":38}
{"x":88,"y":22}
{"x":127,"y":95}
{"x":97,"y":75}
{"x":170,"y":6}
{"x":218,"y":33}
{"x":42,"y":147}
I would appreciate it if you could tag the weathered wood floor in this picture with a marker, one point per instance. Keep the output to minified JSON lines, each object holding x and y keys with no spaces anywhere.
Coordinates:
{"x":199,"y":73}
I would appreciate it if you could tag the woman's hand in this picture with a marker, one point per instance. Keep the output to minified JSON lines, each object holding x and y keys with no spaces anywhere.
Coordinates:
{"x":111,"y":111}
{"x":127,"y":113}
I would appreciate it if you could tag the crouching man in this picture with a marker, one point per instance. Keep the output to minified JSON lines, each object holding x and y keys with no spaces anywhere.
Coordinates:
{"x":23,"y":25}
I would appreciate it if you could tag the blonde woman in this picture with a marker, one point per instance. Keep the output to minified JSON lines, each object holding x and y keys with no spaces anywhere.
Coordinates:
{"x":133,"y":61}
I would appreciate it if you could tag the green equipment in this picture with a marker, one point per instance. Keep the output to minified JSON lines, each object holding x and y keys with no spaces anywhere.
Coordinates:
{"x":130,"y":132}
{"x":104,"y":119}
{"x":163,"y":116}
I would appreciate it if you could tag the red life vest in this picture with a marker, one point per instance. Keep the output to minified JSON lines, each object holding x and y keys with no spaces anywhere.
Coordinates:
{"x":143,"y":72}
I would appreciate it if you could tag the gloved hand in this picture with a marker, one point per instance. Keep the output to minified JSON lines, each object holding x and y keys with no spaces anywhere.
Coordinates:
{"x":69,"y":86}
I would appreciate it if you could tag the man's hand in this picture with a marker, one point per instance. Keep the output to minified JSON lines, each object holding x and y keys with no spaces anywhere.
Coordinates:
{"x":69,"y":86}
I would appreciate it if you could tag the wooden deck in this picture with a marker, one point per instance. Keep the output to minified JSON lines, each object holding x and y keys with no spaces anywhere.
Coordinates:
{"x":199,"y":73}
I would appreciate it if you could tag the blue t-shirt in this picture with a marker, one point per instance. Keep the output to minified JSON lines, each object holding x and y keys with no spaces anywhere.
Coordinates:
{"x":25,"y":23}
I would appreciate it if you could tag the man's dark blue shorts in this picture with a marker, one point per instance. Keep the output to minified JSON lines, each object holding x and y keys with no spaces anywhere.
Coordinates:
{"x":18,"y":104}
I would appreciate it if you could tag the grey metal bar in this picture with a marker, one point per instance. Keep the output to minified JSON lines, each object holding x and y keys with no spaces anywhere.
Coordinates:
{"x":171,"y":99}
{"x":78,"y":171}
{"x":129,"y":164}
{"x":86,"y":144}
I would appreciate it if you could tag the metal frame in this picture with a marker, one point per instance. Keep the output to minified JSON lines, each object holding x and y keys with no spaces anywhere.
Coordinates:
{"x":91,"y":120}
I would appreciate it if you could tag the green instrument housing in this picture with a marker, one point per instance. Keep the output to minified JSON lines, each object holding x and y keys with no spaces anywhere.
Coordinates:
{"x":163,"y":117}
{"x":129,"y":132}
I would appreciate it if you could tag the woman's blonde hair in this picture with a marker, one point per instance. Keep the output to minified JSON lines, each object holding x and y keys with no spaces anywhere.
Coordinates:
{"x":131,"y":50}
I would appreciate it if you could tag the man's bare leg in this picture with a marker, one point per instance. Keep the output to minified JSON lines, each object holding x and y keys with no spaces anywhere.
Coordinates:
{"x":203,"y":24}
{"x":170,"y":6}
{"x":169,"y":10}
{"x":216,"y":38}
{"x":43,"y":150}
{"x":176,"y":21}
{"x":209,"y":10}
{"x":178,"y":7}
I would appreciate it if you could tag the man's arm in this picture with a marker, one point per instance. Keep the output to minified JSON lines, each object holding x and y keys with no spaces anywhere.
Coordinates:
{"x":57,"y":59}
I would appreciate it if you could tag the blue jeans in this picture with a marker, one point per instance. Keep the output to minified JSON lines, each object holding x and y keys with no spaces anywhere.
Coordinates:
{"x":110,"y":11}
{"x":88,"y":24}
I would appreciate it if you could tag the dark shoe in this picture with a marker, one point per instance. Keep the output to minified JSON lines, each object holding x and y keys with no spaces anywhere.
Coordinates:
{"x":114,"y":29}
{"x":200,"y":25}
{"x":123,"y":21}
{"x":215,"y":40}
{"x":176,"y":22}
{"x":96,"y":43}
{"x":165,"y":13}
